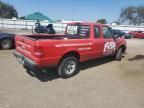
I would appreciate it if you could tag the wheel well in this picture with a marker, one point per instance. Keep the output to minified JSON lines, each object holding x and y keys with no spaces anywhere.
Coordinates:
{"x":123,"y":48}
{"x":72,"y":53}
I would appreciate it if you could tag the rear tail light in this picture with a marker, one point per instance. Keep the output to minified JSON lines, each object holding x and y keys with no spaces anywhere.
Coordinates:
{"x":38,"y":51}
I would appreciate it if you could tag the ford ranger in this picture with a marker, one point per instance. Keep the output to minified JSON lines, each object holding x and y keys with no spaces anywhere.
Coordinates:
{"x":81,"y":42}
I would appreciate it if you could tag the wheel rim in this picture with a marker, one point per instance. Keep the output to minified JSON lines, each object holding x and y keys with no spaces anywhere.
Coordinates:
{"x":70,"y":67}
{"x":6,"y":43}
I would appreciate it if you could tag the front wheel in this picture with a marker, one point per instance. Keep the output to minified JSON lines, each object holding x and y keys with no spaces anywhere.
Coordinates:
{"x":68,"y":67}
{"x":6,"y":44}
{"x":118,"y":55}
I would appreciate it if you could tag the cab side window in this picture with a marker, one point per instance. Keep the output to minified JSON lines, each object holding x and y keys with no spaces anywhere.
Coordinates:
{"x":97,"y":32}
{"x":84,"y":31}
{"x":107,"y":32}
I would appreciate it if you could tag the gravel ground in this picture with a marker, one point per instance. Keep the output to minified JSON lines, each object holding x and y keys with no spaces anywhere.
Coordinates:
{"x":102,"y":83}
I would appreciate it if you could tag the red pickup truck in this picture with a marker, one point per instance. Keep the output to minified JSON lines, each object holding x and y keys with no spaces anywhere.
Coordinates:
{"x":81,"y":42}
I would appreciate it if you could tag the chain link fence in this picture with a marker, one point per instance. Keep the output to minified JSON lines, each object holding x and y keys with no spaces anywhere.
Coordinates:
{"x":59,"y":27}
{"x":28,"y":24}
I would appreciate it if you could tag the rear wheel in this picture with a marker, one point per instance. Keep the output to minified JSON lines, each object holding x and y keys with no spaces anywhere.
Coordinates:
{"x":68,"y":67}
{"x":118,"y":55}
{"x":6,"y":43}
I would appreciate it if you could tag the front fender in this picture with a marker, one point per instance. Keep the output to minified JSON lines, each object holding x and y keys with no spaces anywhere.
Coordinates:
{"x":7,"y":35}
{"x":4,"y":37}
{"x":121,"y":42}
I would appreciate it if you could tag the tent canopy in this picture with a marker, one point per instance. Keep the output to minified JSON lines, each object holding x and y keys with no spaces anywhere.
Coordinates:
{"x":38,"y":16}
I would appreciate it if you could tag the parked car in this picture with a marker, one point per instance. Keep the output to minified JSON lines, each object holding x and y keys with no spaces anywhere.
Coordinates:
{"x":81,"y":42}
{"x":137,"y":34}
{"x":6,"y":40}
{"x":119,"y":33}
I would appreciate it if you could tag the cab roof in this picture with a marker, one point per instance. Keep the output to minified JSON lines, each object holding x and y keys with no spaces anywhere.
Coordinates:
{"x":86,"y":23}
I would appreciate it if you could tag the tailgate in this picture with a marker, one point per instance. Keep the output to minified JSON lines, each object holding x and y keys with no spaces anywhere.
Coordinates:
{"x":25,"y":46}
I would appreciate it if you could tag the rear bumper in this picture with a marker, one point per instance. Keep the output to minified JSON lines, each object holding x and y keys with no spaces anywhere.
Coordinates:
{"x":26,"y":62}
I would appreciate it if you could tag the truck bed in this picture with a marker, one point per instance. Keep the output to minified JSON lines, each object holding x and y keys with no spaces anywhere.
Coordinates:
{"x":53,"y":37}
{"x":37,"y":37}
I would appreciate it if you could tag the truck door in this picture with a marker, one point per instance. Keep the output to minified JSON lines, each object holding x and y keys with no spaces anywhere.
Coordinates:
{"x":109,"y":42}
{"x":98,"y":44}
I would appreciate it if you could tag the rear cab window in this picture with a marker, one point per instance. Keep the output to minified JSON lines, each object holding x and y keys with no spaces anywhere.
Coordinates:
{"x":78,"y":31}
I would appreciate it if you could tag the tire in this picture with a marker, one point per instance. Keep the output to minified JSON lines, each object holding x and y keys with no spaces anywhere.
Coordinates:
{"x":68,"y":67}
{"x":118,"y":55}
{"x":6,"y":44}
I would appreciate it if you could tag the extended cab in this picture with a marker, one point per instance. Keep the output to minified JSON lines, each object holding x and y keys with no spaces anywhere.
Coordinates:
{"x":81,"y":42}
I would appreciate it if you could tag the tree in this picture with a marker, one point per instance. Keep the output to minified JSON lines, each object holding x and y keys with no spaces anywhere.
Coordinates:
{"x":7,"y":10}
{"x":101,"y":21}
{"x":132,"y":15}
{"x":22,"y":17}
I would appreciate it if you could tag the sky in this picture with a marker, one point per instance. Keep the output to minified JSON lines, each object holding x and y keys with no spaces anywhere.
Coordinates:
{"x":81,"y":10}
